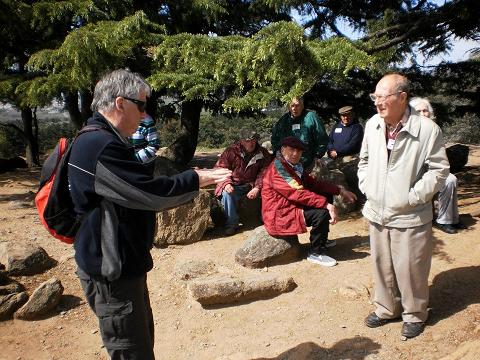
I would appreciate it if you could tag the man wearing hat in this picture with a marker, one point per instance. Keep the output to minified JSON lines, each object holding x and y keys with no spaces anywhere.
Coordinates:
{"x":291,"y":201}
{"x":304,"y":125}
{"x":346,"y":135}
{"x":248,"y":161}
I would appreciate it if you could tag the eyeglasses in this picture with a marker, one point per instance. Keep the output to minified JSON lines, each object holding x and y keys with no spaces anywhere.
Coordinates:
{"x":382,"y":98}
{"x":140,"y":104}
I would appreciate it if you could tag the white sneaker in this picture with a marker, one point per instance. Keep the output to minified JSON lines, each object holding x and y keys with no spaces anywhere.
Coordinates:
{"x":320,"y":259}
{"x":330,"y":243}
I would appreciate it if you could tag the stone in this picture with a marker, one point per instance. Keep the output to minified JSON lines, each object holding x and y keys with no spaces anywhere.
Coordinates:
{"x":10,"y":303}
{"x":184,"y":224}
{"x":353,"y":291}
{"x":457,"y":157}
{"x":262,"y":250}
{"x":12,"y":164}
{"x":11,"y":288}
{"x":24,"y":260}
{"x":44,"y":299}
{"x":229,"y":290}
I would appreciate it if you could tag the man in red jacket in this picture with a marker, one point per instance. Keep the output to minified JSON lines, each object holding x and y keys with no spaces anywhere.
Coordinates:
{"x":292,"y":200}
{"x":248,"y":161}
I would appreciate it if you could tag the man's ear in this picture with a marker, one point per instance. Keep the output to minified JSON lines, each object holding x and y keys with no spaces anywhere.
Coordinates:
{"x":119,"y":103}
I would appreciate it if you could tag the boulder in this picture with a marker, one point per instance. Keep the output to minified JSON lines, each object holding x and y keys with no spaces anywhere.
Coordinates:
{"x":228,"y":290}
{"x":24,"y":260}
{"x":262,"y":250}
{"x":10,"y":303}
{"x":184,"y":224}
{"x":45,"y":298}
{"x":457,"y":157}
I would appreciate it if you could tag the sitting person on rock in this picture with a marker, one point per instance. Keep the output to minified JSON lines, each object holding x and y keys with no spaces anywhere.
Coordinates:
{"x":346,"y":135}
{"x":447,"y":212}
{"x":291,"y":201}
{"x":248,"y":161}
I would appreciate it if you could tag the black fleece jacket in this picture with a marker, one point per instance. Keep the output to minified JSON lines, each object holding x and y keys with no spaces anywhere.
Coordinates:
{"x":118,"y":197}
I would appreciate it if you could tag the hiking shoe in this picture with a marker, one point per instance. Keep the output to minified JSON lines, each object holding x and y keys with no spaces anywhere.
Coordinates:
{"x":446,"y":228}
{"x":330,"y":243}
{"x":230,"y":230}
{"x":373,"y":321}
{"x":321,"y":259}
{"x":412,"y":329}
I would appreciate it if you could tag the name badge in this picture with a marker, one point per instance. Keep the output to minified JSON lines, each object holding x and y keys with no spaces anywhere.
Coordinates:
{"x":338,"y":130}
{"x":390,"y":144}
{"x":296,"y":127}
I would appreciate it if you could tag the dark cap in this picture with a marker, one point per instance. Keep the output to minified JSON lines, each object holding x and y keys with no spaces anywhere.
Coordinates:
{"x":294,"y":142}
{"x":345,"y":110}
{"x":248,"y":134}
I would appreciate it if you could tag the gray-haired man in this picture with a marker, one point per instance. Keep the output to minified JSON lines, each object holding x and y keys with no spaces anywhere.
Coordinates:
{"x":117,"y":196}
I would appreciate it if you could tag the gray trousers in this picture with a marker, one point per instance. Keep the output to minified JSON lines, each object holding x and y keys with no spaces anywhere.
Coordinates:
{"x":447,"y":210}
{"x":124,"y":315}
{"x":401,"y":264}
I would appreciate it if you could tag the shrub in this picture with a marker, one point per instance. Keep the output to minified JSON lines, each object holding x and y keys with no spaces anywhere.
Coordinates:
{"x":463,"y":130}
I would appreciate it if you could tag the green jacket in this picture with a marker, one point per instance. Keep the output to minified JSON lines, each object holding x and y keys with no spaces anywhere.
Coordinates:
{"x":307,"y":127}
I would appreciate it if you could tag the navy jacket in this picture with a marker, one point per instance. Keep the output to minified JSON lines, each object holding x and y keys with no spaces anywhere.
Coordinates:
{"x":345,"y":140}
{"x":118,"y":196}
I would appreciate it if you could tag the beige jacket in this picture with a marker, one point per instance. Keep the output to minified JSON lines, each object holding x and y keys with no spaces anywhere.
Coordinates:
{"x":399,"y":189}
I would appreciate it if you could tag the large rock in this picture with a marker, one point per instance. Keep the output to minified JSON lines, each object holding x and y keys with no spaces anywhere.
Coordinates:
{"x":184,"y":224}
{"x":24,"y":260}
{"x":457,"y":157}
{"x":10,"y":303}
{"x":226,"y":291}
{"x":12,"y":164}
{"x":45,"y":298}
{"x":262,"y":250}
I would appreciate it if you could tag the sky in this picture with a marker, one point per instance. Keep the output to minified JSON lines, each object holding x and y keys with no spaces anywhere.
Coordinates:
{"x":459,"y":52}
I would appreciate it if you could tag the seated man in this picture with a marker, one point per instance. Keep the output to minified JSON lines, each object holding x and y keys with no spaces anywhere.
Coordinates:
{"x":291,"y":201}
{"x":346,"y":135}
{"x":305,"y":125}
{"x":447,"y":211}
{"x":248,"y":161}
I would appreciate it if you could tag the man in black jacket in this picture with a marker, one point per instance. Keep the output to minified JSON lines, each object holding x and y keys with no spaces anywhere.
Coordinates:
{"x":117,"y":197}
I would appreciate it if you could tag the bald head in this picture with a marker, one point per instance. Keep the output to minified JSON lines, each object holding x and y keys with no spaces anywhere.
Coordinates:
{"x":391,"y":97}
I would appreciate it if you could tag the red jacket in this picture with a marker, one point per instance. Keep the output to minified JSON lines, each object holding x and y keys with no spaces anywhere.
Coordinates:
{"x":284,"y":195}
{"x":246,"y":169}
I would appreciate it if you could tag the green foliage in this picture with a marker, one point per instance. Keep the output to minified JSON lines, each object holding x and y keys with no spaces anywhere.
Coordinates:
{"x":219,"y":131}
{"x":274,"y":65}
{"x":48,"y":134}
{"x":463,"y":130}
{"x":85,"y":55}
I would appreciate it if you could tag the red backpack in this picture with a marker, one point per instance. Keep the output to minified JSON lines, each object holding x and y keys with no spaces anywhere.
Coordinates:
{"x":53,"y":200}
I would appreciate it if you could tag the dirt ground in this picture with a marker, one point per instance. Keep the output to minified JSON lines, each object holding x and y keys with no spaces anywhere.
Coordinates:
{"x":314,"y":321}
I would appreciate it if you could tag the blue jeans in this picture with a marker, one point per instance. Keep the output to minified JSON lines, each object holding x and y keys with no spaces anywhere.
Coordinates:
{"x":230,"y":203}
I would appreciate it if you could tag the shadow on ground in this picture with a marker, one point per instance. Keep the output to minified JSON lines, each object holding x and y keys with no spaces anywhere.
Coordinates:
{"x":452,"y":291}
{"x":355,"y":348}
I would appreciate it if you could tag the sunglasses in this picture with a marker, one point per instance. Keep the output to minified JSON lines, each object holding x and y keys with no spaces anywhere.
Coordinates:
{"x":140,"y":104}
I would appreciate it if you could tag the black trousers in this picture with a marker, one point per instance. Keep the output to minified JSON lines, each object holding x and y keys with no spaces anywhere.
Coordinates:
{"x":318,"y":220}
{"x":124,"y":315}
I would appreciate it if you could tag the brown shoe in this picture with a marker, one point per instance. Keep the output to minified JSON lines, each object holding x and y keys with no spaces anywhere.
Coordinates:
{"x":412,"y":329}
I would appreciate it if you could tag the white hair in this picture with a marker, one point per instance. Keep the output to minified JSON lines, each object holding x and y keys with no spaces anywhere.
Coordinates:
{"x":416,"y":101}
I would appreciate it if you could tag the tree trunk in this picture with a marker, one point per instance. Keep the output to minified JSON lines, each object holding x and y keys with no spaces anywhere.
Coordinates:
{"x":184,"y":147}
{"x":31,"y":143}
{"x":71,"y":100}
{"x":86,"y":98}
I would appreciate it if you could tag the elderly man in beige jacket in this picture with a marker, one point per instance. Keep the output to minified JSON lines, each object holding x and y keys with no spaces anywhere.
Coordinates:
{"x":402,"y":165}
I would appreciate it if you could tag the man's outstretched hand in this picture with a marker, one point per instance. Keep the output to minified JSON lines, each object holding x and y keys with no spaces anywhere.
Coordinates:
{"x":212,"y":176}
